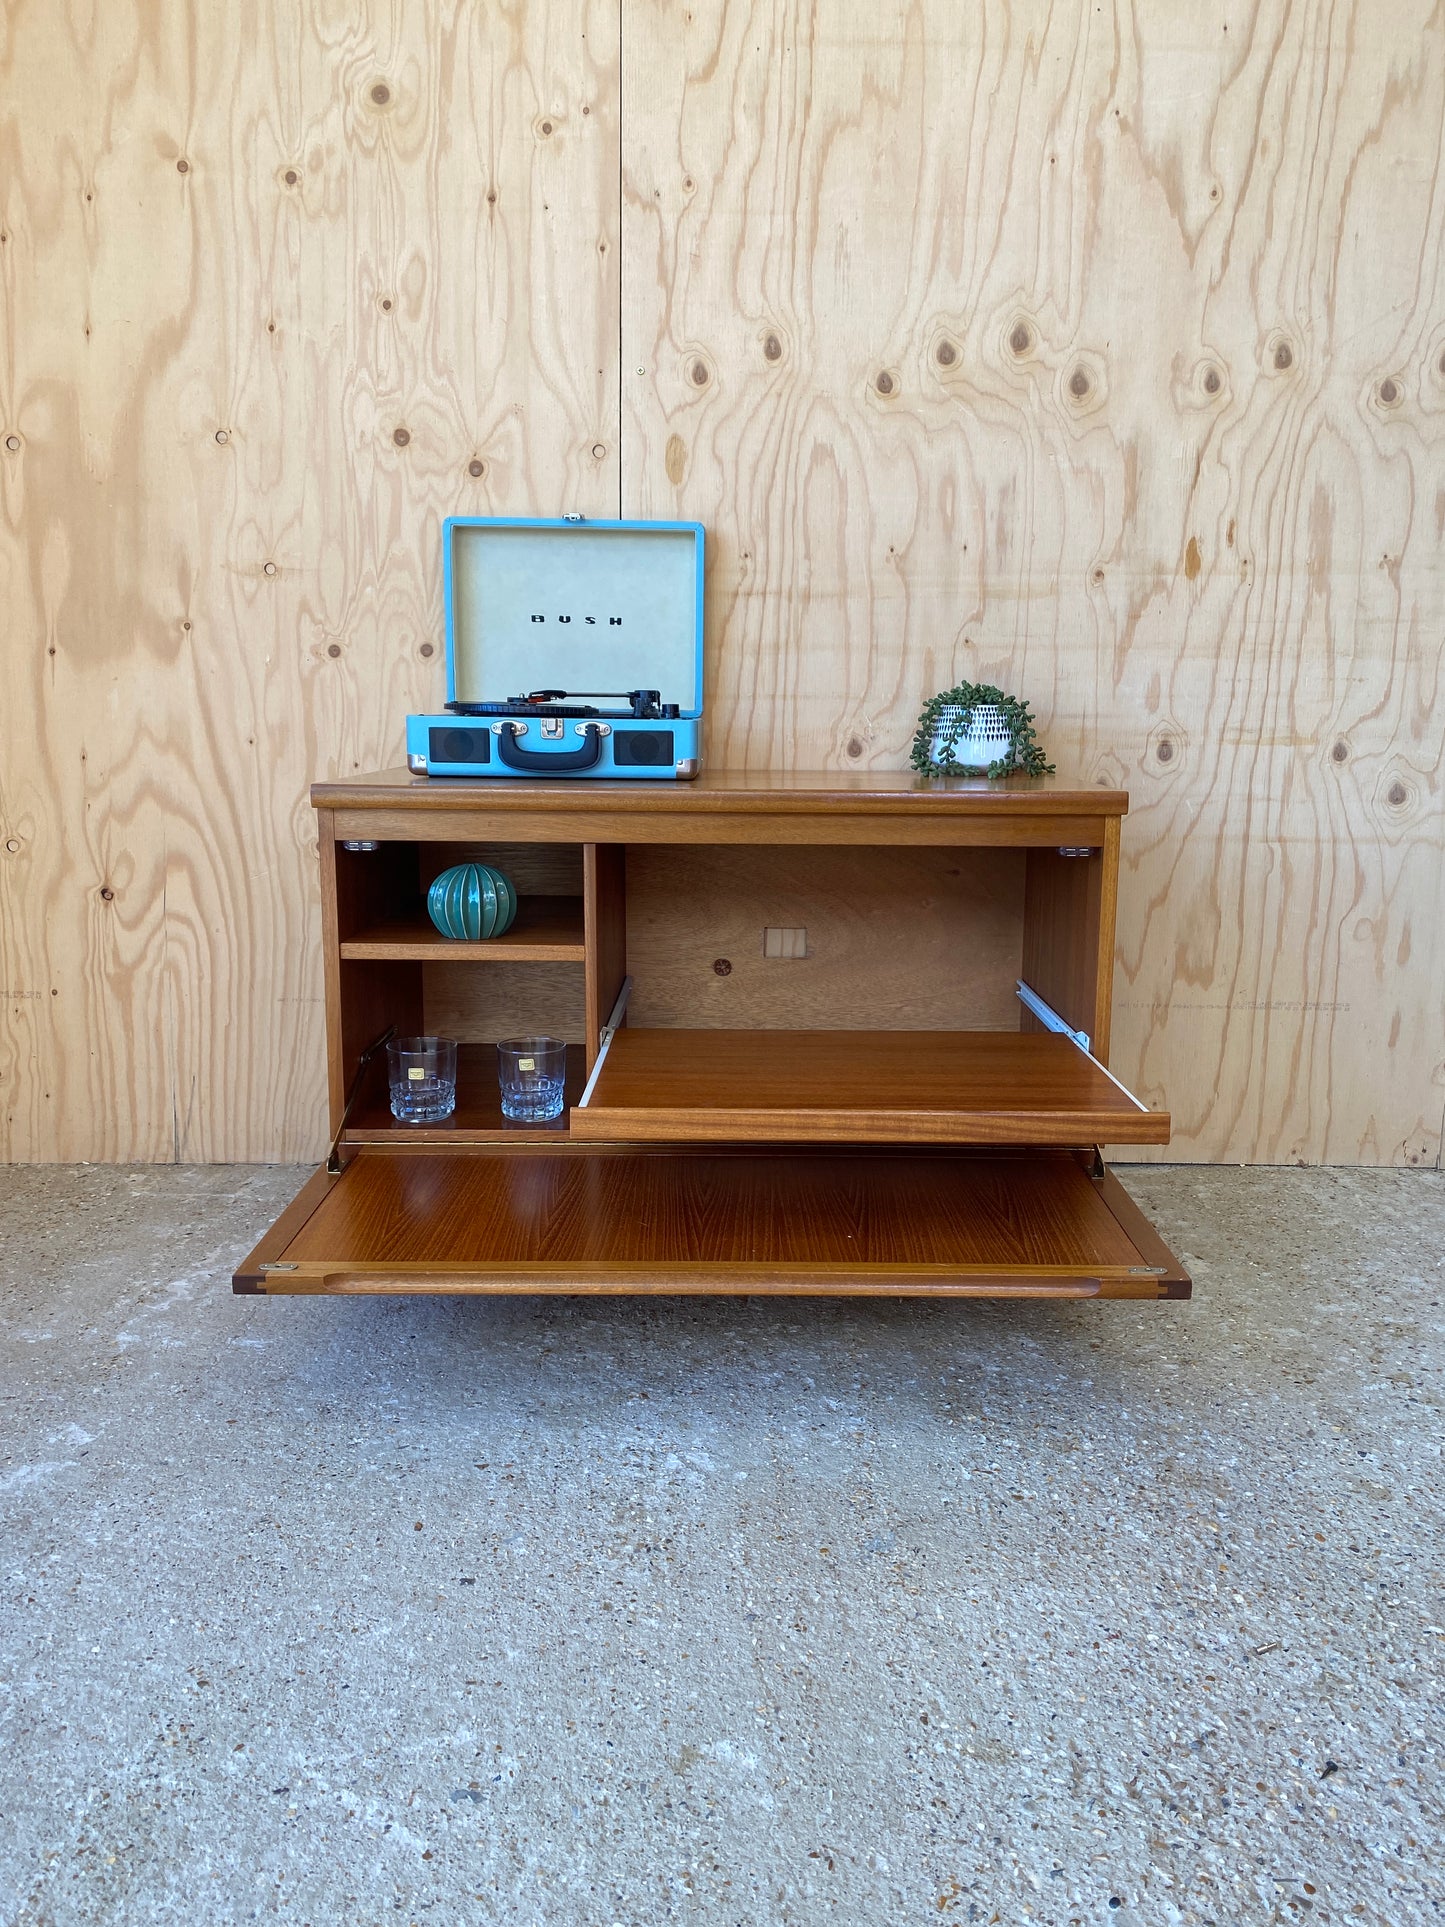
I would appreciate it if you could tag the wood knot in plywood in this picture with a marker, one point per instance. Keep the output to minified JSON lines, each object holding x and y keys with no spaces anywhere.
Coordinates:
{"x":380,"y":94}
{"x":946,"y":353}
{"x":1020,"y":339}
{"x":772,"y":348}
{"x":401,"y":436}
{"x":1340,"y":753}
{"x":1081,"y":387}
{"x":675,"y":460}
{"x":1192,"y":562}
{"x":886,"y":382}
{"x":1282,"y":356}
{"x":1388,"y":392}
{"x":476,"y":468}
{"x":699,"y":374}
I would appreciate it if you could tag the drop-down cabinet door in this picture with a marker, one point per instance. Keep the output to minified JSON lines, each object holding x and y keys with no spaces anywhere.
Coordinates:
{"x":858,"y":1087}
{"x":613,"y":1218}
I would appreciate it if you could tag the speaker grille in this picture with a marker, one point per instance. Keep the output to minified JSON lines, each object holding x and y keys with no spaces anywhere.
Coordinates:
{"x":459,"y":746}
{"x":641,"y":748}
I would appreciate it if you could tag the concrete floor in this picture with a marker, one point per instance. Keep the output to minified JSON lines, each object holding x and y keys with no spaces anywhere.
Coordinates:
{"x":721,"y":1612}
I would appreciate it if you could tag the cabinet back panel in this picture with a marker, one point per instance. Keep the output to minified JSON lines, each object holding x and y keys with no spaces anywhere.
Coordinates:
{"x":898,"y":939}
{"x":535,"y":869}
{"x":478,"y":1003}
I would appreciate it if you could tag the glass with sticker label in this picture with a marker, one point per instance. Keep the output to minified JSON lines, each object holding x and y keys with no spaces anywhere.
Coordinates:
{"x":422,"y":1072}
{"x":532,"y":1072}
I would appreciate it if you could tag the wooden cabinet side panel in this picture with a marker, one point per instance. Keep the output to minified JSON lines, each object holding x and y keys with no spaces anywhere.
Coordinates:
{"x":331,"y":967}
{"x":1068,"y":946}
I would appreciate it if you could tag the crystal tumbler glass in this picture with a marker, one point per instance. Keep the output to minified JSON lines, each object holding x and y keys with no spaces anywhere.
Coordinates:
{"x":422,"y":1072}
{"x":532,"y":1072}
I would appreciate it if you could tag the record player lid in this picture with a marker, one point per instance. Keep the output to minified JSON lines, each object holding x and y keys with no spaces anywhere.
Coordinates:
{"x":574,"y":605}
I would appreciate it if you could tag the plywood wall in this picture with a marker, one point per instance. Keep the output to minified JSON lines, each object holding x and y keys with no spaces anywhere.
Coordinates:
{"x":1096,"y":351}
{"x":283,"y":284}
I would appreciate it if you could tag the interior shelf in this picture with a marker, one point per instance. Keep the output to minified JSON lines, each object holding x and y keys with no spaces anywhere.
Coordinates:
{"x":546,"y":930}
{"x":855,"y":1087}
{"x":478,"y":1117}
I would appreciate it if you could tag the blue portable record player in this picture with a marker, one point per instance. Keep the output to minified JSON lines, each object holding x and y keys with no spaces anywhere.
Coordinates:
{"x":573,"y":649}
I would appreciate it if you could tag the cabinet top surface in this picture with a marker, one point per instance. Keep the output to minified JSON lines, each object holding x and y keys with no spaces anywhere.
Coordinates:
{"x":761,"y":792}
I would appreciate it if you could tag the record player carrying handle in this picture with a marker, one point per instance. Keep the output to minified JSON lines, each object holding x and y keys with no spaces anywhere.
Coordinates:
{"x":544,"y":763}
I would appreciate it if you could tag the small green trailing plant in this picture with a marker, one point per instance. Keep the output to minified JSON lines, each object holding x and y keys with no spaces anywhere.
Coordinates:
{"x":1027,"y":753}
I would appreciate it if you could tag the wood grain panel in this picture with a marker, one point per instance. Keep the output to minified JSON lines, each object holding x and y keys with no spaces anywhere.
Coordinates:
{"x":479,"y":1004}
{"x":610,"y":1219}
{"x":858,"y":1087}
{"x":280,"y":286}
{"x":897,"y":939}
{"x":1100,"y":354}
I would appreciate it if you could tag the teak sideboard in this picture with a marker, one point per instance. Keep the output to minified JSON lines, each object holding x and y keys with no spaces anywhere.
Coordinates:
{"x":827,"y":1034}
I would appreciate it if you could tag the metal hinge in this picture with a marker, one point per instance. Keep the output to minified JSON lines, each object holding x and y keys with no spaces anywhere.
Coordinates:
{"x":277,"y":1267}
{"x":1050,"y":1018}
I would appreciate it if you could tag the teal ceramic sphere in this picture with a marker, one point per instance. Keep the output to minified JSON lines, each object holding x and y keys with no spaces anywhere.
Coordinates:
{"x":472,"y":901}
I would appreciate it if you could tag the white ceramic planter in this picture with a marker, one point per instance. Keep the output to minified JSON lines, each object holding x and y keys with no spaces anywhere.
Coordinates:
{"x":987,"y":741}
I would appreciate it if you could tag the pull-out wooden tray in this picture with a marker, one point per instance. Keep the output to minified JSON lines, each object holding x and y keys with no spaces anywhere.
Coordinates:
{"x":575,"y":1218}
{"x":859,"y":1087}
